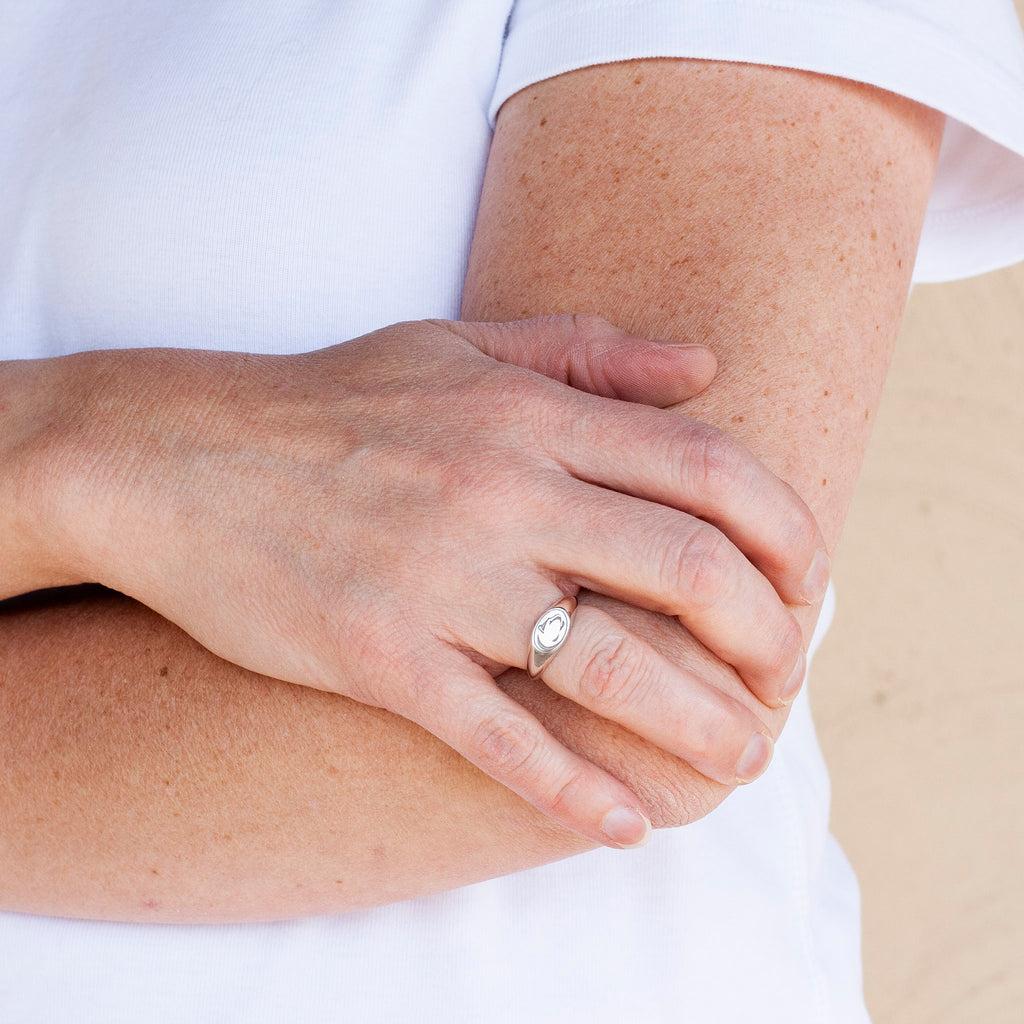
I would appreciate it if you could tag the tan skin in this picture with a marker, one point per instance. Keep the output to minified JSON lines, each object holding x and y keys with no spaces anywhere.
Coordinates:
{"x":771,"y":214}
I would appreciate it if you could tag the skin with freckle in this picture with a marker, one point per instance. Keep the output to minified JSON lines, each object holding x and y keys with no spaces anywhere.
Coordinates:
{"x":341,"y":783}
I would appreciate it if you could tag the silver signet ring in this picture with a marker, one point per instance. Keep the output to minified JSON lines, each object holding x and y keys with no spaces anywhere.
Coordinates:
{"x":549,"y":633}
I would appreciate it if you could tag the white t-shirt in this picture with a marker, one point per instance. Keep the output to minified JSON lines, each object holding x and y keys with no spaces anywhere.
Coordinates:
{"x":280,"y":176}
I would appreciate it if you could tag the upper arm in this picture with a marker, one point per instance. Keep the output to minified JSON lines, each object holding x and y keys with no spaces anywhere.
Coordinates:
{"x":677,"y":204}
{"x":771,"y":214}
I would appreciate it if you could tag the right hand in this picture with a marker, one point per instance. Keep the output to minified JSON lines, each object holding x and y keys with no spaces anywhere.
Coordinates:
{"x":387,"y":519}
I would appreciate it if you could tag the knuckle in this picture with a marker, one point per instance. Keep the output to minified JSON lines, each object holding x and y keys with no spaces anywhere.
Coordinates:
{"x":721,"y":736}
{"x":709,"y":740}
{"x":788,"y":643}
{"x":506,"y":745}
{"x":588,"y":323}
{"x":795,"y":538}
{"x":801,"y":528}
{"x":715,"y":461}
{"x":702,"y":565}
{"x":563,"y":801}
{"x":806,"y":526}
{"x":614,"y":674}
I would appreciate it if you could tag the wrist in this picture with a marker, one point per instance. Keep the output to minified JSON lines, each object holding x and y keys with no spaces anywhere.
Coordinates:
{"x":40,"y":401}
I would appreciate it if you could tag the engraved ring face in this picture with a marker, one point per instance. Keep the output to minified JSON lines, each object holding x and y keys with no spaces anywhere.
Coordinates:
{"x":549,"y":633}
{"x":551,"y":629}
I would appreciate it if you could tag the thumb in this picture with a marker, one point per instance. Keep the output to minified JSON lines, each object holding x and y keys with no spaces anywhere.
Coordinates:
{"x":590,"y":354}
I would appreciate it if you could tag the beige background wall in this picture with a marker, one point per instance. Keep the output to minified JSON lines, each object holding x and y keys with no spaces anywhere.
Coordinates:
{"x":919,"y":690}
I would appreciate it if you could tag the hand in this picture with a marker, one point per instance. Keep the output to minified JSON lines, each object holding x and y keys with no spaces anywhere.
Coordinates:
{"x":387,"y":519}
{"x":671,"y":791}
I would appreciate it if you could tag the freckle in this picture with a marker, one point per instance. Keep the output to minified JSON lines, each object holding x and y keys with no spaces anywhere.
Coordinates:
{"x":826,"y":394}
{"x":153,"y":871}
{"x":737,"y":419}
{"x":663,"y":175}
{"x":867,"y":414}
{"x":824,"y":483}
{"x":226,"y":837}
{"x":900,"y":262}
{"x":543,"y":121}
{"x":874,"y":235}
{"x":163,"y":671}
{"x":338,"y":881}
{"x":826,"y":430}
{"x":638,"y":79}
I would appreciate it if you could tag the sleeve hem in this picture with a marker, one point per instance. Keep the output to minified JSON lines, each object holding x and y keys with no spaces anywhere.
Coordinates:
{"x":872,"y":46}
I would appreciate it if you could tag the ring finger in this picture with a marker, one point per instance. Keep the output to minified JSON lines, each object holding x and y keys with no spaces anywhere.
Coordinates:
{"x":671,"y":562}
{"x":605,"y":668}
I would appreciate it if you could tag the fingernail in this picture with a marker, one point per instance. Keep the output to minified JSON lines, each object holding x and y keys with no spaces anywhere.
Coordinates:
{"x":755,"y":759}
{"x":816,"y":581}
{"x":626,"y":827}
{"x":795,"y":681}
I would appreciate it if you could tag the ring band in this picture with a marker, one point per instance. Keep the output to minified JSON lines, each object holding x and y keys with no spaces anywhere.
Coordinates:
{"x":549,"y":633}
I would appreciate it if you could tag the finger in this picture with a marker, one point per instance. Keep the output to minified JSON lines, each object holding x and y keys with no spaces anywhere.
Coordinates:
{"x":671,"y":562}
{"x":652,"y":557}
{"x":461,"y":705}
{"x":590,"y":354}
{"x":700,"y":469}
{"x":608,"y":670}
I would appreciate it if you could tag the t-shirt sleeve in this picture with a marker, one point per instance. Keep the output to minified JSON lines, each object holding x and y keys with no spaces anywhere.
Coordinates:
{"x":965,"y":59}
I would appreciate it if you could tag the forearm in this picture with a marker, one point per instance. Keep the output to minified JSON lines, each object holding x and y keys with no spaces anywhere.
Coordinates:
{"x":772,"y":215}
{"x":145,"y":779}
{"x":89,"y":743}
{"x":803,"y":337}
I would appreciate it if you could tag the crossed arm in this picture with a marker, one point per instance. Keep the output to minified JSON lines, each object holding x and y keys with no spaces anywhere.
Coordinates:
{"x":770,"y":214}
